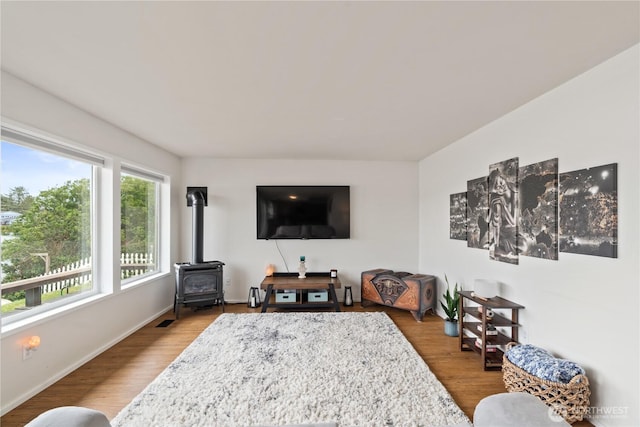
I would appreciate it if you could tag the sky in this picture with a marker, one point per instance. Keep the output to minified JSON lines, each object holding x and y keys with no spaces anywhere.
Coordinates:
{"x":36,"y":170}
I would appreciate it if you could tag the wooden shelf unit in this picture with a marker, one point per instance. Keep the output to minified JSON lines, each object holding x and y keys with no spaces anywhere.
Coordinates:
{"x":472,"y":316}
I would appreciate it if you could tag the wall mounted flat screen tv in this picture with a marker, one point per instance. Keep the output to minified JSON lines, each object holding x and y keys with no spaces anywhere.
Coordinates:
{"x":303,"y":212}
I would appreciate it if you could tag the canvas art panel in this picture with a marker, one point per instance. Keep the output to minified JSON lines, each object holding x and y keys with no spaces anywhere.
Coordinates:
{"x":458,"y":216}
{"x":538,"y":210}
{"x":588,"y":203}
{"x":477,"y":210}
{"x":503,"y":202}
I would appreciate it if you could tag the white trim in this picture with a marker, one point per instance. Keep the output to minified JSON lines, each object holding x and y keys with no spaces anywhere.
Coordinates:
{"x":49,"y":144}
{"x":21,"y":135}
{"x":158,"y":183}
{"x":8,"y":406}
{"x":47,"y":315}
{"x":142,"y":173}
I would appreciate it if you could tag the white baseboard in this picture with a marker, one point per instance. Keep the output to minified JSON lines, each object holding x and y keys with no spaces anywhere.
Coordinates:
{"x":6,"y":407}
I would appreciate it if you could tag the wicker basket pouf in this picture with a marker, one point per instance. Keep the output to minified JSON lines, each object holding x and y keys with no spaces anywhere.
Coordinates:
{"x":570,"y":400}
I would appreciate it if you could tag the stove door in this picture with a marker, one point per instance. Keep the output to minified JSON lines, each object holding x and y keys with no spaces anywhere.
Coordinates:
{"x":200,"y":282}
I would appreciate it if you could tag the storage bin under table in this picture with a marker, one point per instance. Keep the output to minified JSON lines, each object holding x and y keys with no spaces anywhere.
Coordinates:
{"x":284,"y":296}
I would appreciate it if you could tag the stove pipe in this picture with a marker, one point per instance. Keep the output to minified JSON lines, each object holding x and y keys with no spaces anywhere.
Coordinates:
{"x":197,"y":198}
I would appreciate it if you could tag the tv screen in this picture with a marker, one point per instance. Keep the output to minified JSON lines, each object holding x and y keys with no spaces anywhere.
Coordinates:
{"x":303,"y":212}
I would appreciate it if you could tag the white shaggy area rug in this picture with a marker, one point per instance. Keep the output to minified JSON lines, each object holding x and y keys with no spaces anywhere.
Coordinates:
{"x":356,"y":369}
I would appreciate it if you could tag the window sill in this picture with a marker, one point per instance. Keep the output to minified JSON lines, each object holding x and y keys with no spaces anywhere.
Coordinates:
{"x":49,"y":315}
{"x":135,"y":282}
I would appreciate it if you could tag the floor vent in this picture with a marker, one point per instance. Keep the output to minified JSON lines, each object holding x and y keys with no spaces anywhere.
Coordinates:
{"x":165,"y":323}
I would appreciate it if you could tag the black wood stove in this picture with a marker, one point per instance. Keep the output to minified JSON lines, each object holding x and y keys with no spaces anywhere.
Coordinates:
{"x":198,"y":283}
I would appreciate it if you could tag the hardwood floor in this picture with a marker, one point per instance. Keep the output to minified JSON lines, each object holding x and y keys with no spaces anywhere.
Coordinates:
{"x":111,"y":380}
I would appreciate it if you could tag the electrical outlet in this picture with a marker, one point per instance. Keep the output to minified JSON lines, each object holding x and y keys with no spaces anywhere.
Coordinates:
{"x":27,"y":352}
{"x":227,"y":283}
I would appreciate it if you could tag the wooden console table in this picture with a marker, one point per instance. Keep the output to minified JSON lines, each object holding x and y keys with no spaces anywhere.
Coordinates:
{"x":291,"y":282}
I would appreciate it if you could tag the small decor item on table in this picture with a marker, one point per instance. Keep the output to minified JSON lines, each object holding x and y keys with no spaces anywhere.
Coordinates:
{"x":334,"y":273}
{"x":302,"y":268}
{"x":485,"y":289}
{"x":488,"y":312}
{"x":254,"y":298}
{"x":348,"y":296}
{"x":491,"y":330}
{"x":450,"y":306}
{"x":268,"y":271}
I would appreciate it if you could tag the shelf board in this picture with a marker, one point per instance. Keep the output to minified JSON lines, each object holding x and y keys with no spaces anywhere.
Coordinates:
{"x":500,"y":339}
{"x":492,"y":303}
{"x":492,"y":359}
{"x":497,"y":320}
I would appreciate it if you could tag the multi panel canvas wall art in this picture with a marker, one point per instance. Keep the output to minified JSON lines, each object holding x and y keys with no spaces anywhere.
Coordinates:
{"x":477,"y":210}
{"x":503,"y":204}
{"x":535,"y":211}
{"x":458,"y":216}
{"x":588,"y":204}
{"x":538,"y":210}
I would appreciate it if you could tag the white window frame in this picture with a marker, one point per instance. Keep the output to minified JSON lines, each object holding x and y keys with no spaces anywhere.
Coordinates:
{"x":159,"y":180}
{"x":105,"y":228}
{"x":52,"y":145}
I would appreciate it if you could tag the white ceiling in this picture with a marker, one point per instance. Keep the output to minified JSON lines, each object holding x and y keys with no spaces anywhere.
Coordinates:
{"x":328,"y":80}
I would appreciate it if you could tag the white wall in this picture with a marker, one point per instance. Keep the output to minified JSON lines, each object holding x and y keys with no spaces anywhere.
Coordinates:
{"x":384,"y":218}
{"x":73,"y":337}
{"x":580,"y":307}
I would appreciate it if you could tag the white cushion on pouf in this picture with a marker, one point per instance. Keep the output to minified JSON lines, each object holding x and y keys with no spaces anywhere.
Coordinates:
{"x":70,"y":416}
{"x":515,"y":409}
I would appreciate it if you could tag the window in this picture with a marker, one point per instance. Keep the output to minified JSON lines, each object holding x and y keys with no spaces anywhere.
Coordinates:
{"x":52,"y":251}
{"x":47,"y":226}
{"x":138,"y":223}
